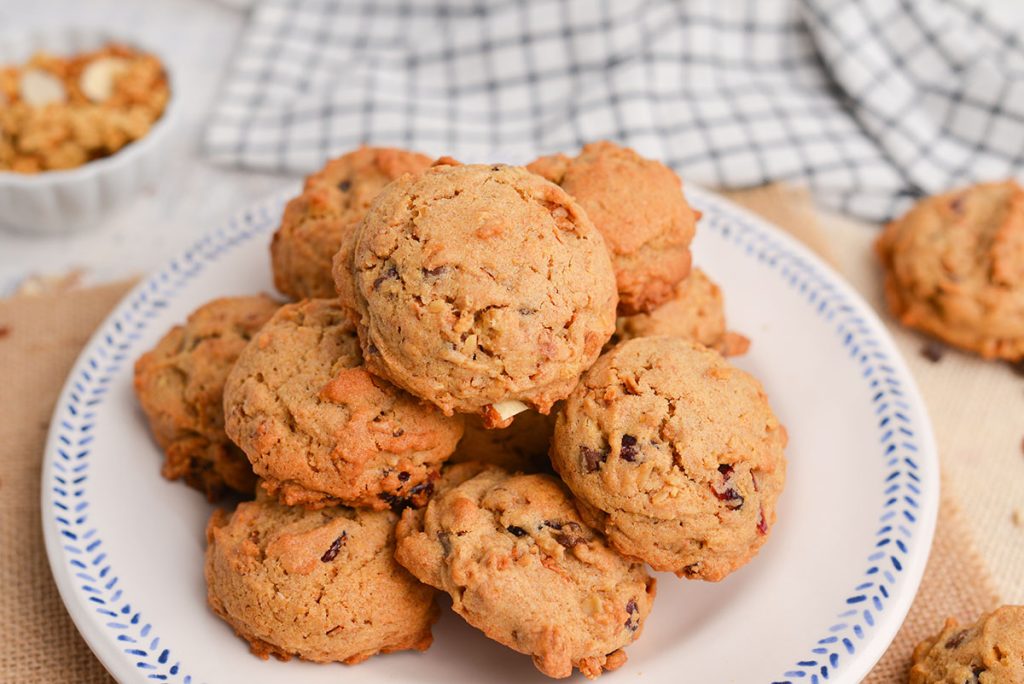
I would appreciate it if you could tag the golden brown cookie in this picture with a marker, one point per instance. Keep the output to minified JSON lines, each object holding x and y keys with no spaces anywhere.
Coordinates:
{"x":523,"y":568}
{"x":639,"y":207}
{"x":321,"y":430}
{"x":321,"y":585}
{"x":180,"y":386}
{"x":674,"y":454}
{"x":990,"y":651}
{"x":521,"y":447}
{"x":476,"y":285}
{"x":333,"y":202}
{"x":696,"y":312}
{"x":954,"y":268}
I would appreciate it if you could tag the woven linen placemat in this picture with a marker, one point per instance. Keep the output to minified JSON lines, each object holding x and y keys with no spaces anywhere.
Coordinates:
{"x":40,"y":338}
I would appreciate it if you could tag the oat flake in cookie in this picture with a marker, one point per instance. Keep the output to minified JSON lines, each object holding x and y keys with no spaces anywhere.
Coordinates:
{"x":333,"y":202}
{"x":321,"y":585}
{"x":523,"y":568}
{"x":321,"y":430}
{"x":674,"y":454}
{"x":954,"y":268}
{"x":639,"y":207}
{"x":180,"y":386}
{"x":990,"y":651}
{"x":477,"y":285}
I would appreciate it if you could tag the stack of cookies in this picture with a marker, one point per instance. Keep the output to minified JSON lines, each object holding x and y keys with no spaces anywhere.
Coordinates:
{"x":506,"y":384}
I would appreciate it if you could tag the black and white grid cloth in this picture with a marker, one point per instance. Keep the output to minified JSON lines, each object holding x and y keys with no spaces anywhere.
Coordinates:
{"x":870,"y":103}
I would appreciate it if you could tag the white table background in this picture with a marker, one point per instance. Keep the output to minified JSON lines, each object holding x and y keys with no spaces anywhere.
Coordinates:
{"x":197,"y":37}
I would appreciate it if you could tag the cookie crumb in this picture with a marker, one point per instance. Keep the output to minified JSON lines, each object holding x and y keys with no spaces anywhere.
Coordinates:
{"x":932,"y":351}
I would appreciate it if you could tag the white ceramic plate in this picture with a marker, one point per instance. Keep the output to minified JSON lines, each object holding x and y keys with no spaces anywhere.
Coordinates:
{"x":820,"y":603}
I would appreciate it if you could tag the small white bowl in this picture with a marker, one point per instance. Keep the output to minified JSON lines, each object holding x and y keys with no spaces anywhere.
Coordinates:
{"x":56,"y":202}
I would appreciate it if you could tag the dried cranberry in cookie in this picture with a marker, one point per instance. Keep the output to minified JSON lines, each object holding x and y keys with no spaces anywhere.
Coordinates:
{"x":522,"y":567}
{"x":333,"y":202}
{"x":481,"y":289}
{"x":639,"y":207}
{"x":990,"y":651}
{"x":180,"y":386}
{"x":954,"y":268}
{"x":674,"y":454}
{"x":321,"y":585}
{"x":321,"y":430}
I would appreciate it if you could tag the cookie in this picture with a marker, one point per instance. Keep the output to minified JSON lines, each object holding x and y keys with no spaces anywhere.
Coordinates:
{"x":321,"y":585}
{"x":639,"y":207}
{"x":478,"y":285}
{"x":521,"y":447}
{"x":674,"y":454}
{"x":334,"y":200}
{"x":180,"y":386}
{"x":990,"y":651}
{"x":523,"y":568}
{"x":696,"y":312}
{"x":954,"y":268}
{"x":319,"y":429}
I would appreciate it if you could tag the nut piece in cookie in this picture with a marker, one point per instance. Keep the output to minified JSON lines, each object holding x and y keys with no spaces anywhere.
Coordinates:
{"x":990,"y":651}
{"x":321,"y":585}
{"x":333,"y":201}
{"x":479,"y":286}
{"x":696,"y":312}
{"x":954,"y":268}
{"x":319,"y":429}
{"x":522,"y":567}
{"x":523,"y":446}
{"x":674,"y":454}
{"x":180,"y":386}
{"x":639,"y":207}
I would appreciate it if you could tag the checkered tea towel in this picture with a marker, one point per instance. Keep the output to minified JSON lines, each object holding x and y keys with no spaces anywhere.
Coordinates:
{"x":868,"y":102}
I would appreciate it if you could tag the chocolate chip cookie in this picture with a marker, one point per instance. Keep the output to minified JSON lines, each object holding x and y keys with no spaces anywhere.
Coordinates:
{"x":674,"y":454}
{"x":333,"y":202}
{"x":990,"y":651}
{"x":639,"y":207}
{"x":521,"y":447}
{"x":523,"y":568}
{"x":319,"y":428}
{"x":695,"y":312}
{"x":954,"y":268}
{"x":180,"y":386}
{"x":321,"y":585}
{"x":478,"y":285}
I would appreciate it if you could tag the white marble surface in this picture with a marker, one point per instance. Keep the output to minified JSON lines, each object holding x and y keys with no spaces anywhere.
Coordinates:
{"x":197,"y":37}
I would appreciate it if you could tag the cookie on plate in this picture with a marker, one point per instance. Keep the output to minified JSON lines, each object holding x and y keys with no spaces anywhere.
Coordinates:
{"x":523,"y":568}
{"x":696,"y":312}
{"x":521,"y":447}
{"x":954,"y":268}
{"x":321,"y":585}
{"x":639,"y":207}
{"x":480,"y":285}
{"x":333,"y":201}
{"x":180,"y":386}
{"x":990,"y":651}
{"x":319,"y":429}
{"x":674,"y":454}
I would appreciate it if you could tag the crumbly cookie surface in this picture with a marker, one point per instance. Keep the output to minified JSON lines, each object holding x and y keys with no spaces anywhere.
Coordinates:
{"x":954,"y":268}
{"x":321,"y":585}
{"x":317,"y":222}
{"x":674,"y":454}
{"x":520,"y":447}
{"x":476,"y":285}
{"x":695,"y":312}
{"x":61,"y":112}
{"x":180,"y":386}
{"x":639,"y":207}
{"x":990,"y":651}
{"x":321,"y":430}
{"x":522,"y":567}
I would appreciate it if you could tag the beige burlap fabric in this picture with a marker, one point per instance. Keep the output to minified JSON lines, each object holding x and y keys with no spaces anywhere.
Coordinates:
{"x":40,"y":338}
